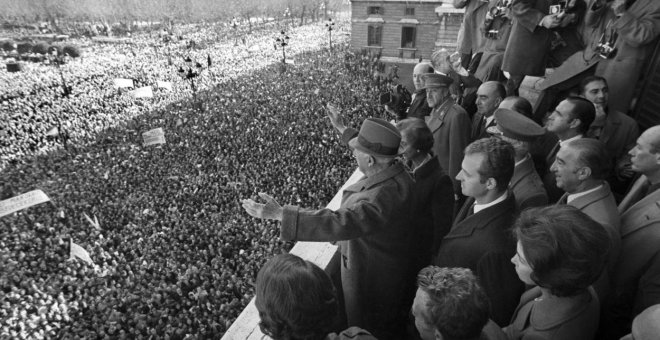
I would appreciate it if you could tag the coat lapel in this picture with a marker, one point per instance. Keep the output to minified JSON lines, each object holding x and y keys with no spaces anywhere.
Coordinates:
{"x":586,"y":200}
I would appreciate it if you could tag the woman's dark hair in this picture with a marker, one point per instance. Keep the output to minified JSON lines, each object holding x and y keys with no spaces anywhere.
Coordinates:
{"x":295,"y":299}
{"x":565,"y":248}
{"x":420,"y":134}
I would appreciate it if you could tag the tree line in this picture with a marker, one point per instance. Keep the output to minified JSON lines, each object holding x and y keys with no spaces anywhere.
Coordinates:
{"x":133,"y":12}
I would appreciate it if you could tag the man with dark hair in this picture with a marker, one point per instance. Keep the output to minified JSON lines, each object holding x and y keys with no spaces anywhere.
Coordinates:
{"x":570,"y":120}
{"x":489,"y":96}
{"x":419,"y":108}
{"x":616,"y":130}
{"x":637,"y":273}
{"x":448,"y":122}
{"x":580,"y":168}
{"x":450,"y":304}
{"x":518,"y":104}
{"x":479,"y":238}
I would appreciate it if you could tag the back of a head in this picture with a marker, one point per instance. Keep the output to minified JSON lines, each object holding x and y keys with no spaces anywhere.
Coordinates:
{"x":583,"y":110}
{"x":518,"y":104}
{"x":458,"y":307}
{"x":499,"y":160}
{"x":592,"y":153}
{"x":295,"y":299}
{"x":496,"y":88}
{"x":646,"y":325}
{"x":565,"y":248}
{"x":418,"y":132}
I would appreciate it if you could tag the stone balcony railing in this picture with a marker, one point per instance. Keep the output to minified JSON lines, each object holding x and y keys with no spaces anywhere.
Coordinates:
{"x":246,"y":326}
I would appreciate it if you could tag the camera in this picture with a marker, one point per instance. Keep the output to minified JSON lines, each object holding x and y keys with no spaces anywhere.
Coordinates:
{"x":558,"y":8}
{"x":397,"y":98}
{"x":492,"y":34}
{"x":606,"y":50}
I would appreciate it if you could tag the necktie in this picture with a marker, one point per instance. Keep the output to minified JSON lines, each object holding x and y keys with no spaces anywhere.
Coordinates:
{"x":551,"y":156}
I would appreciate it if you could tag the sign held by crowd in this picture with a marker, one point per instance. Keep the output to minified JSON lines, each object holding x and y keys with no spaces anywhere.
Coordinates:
{"x":155,"y":136}
{"x":22,"y":201}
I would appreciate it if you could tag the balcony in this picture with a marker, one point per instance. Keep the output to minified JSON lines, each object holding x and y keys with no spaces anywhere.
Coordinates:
{"x":322,"y":254}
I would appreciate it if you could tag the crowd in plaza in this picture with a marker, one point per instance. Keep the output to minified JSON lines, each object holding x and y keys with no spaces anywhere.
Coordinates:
{"x":479,"y":214}
{"x":174,"y":256}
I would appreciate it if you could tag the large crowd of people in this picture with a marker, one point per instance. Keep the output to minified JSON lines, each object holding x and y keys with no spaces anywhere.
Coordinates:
{"x":174,"y":256}
{"x":495,"y":219}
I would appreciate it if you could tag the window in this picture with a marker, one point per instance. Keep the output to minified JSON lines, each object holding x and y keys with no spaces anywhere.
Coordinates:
{"x":408,"y":37}
{"x":410,"y":11}
{"x":373,"y":10}
{"x":374,"y":35}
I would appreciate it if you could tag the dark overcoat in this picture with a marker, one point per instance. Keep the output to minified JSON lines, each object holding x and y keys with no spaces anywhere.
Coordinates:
{"x":635,"y":282}
{"x":527,"y":186}
{"x":475,"y":12}
{"x":527,"y":49}
{"x":372,"y":226}
{"x":483,"y":242}
{"x":451,"y":126}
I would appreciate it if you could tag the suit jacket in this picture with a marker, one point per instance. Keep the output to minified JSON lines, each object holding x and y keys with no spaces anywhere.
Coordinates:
{"x":419,"y":108}
{"x":475,"y":13}
{"x":372,"y":226}
{"x":619,"y":134}
{"x":632,"y":290}
{"x":483,"y":243}
{"x":527,"y":186}
{"x":476,"y":131}
{"x":549,"y":180}
{"x":565,"y":318}
{"x":528,"y":46}
{"x":601,"y":207}
{"x":450,"y":125}
{"x":433,"y":209}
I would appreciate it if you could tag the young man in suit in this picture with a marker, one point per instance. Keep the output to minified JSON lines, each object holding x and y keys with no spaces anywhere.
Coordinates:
{"x":616,"y":130}
{"x":480,"y":238}
{"x":636,"y":281}
{"x":580,"y":168}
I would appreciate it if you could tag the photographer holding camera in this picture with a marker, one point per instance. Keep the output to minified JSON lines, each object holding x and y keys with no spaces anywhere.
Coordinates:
{"x":618,"y":37}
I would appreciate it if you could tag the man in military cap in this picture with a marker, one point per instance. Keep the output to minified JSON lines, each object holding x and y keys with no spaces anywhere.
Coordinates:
{"x":371,"y":225}
{"x":520,"y":132}
{"x":449,"y":123}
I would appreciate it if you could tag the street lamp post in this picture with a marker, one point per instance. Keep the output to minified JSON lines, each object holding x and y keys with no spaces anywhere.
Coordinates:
{"x":282,"y":41}
{"x":55,"y":59}
{"x":330,"y":26}
{"x":189,"y":73}
{"x":234,"y":24}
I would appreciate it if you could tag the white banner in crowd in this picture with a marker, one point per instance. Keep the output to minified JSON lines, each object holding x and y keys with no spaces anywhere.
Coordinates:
{"x":290,"y":61}
{"x":142,"y":92}
{"x":165,"y":85}
{"x":155,"y":136}
{"x":79,"y":252}
{"x":120,"y":83}
{"x":23,"y":201}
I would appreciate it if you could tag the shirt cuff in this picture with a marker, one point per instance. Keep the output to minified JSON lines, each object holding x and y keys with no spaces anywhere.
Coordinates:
{"x":289,"y":225}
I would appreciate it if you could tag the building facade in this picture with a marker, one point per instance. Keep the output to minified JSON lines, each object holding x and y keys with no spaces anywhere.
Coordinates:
{"x":403,"y":29}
